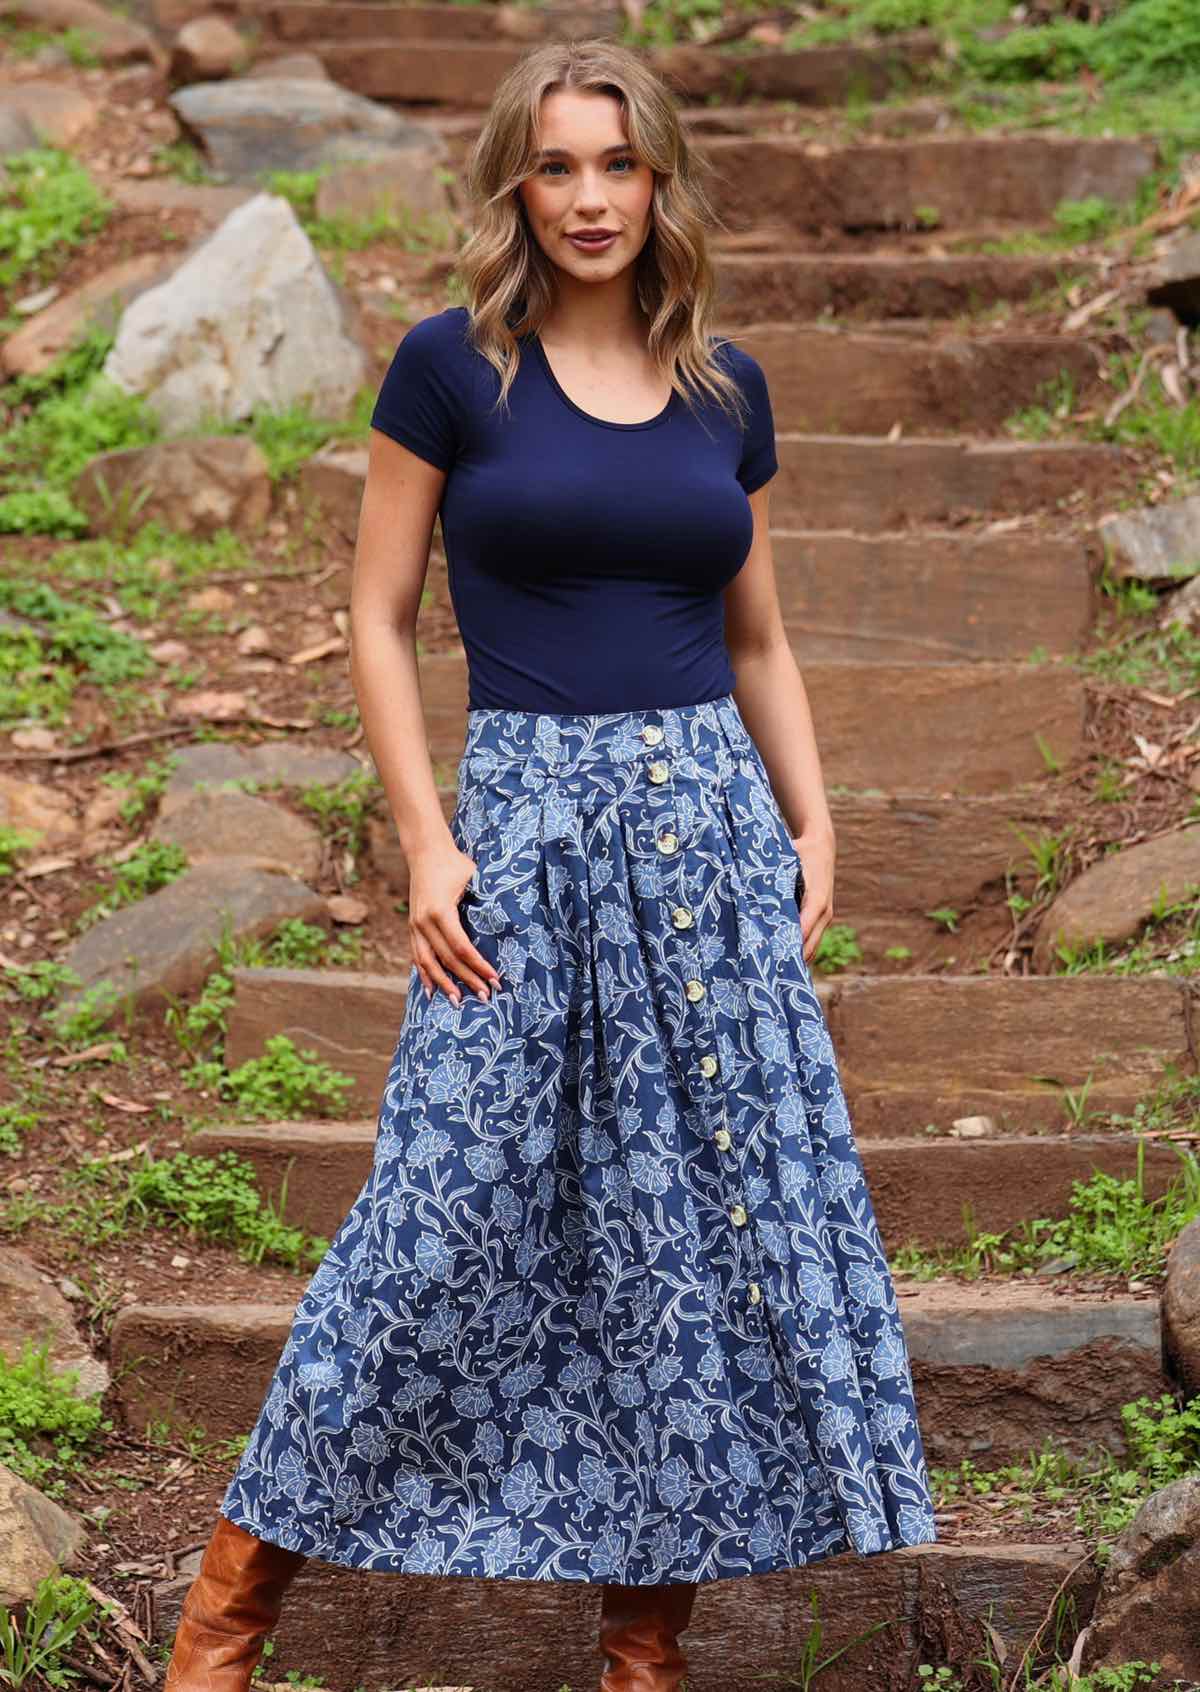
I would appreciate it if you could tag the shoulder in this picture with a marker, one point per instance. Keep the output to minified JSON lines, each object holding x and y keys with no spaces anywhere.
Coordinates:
{"x":742,"y":365}
{"x":440,"y":337}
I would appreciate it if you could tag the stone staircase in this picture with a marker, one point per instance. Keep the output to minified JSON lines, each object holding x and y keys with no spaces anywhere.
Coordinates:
{"x":922,"y":556}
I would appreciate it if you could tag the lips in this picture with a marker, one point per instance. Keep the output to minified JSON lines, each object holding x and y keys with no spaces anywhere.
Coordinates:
{"x":593,"y":243}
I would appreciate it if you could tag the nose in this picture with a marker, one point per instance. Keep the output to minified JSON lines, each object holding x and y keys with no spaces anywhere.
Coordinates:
{"x":592,"y":197}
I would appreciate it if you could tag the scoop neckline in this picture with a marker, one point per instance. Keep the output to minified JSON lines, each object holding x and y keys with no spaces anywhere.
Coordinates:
{"x":588,"y":417}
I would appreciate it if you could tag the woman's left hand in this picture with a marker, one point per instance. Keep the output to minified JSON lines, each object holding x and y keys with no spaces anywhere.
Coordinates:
{"x":816,"y":854}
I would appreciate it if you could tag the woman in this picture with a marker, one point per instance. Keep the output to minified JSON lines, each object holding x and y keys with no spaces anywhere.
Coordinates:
{"x":612,"y":1305}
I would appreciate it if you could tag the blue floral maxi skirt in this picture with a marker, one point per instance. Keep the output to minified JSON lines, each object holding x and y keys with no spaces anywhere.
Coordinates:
{"x":612,"y":1303}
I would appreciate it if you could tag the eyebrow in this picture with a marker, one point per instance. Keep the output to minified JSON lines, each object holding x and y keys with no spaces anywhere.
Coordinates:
{"x":564,"y":153}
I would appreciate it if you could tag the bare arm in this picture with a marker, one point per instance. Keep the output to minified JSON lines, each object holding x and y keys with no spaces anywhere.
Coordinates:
{"x":773,"y":701}
{"x":395,"y":528}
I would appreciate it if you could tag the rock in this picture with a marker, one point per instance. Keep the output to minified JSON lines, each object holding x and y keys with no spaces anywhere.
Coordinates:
{"x":1181,"y":1307}
{"x":250,"y":321}
{"x":37,"y":809}
{"x":206,"y":47}
{"x":1113,"y":898}
{"x":238,"y":825}
{"x":1183,"y":606}
{"x":17,"y":134}
{"x":387,"y":854}
{"x":98,"y":303}
{"x":1160,"y":543}
{"x":342,"y":907}
{"x":403,"y":184}
{"x":332,"y":480}
{"x":33,"y":1309}
{"x":167,"y":944}
{"x":196,"y":486}
{"x":299,"y":67}
{"x":217,"y":599}
{"x":115,"y":40}
{"x":1146,"y":1606}
{"x":210,"y":201}
{"x":55,"y":110}
{"x":1175,"y":280}
{"x":37,"y":1539}
{"x":262,"y":123}
{"x":211,"y":765}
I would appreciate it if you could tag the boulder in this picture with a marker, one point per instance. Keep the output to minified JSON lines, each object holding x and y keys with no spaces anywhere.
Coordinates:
{"x":167,"y":943}
{"x":239,"y":825}
{"x":37,"y":809}
{"x":263,"y":123}
{"x":215,"y":764}
{"x":206,"y":48}
{"x":1181,"y":1308}
{"x":1158,"y":544}
{"x":332,"y":480}
{"x":99,"y":302}
{"x":17,"y":134}
{"x":1182,"y":606}
{"x":115,"y":40}
{"x":32,"y":1308}
{"x":250,"y":321}
{"x":195,"y":486}
{"x":55,"y":111}
{"x":1174,"y":281}
{"x":404,"y":184}
{"x":1146,"y":1606}
{"x":1113,"y":898}
{"x":37,"y":1539}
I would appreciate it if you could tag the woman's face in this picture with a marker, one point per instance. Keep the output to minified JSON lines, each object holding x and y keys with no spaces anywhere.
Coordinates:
{"x":586,"y":178}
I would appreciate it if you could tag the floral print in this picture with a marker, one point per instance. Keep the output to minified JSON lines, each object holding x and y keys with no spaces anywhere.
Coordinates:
{"x":612,"y":1304}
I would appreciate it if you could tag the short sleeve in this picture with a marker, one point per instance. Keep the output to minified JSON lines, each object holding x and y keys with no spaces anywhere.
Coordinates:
{"x":417,"y":402}
{"x":759,"y":461}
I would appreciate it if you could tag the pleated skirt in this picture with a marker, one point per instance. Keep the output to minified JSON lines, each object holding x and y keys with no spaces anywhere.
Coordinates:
{"x":612,"y":1304}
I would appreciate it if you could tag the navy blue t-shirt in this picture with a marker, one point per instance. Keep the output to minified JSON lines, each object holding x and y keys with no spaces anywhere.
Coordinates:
{"x":586,"y":559}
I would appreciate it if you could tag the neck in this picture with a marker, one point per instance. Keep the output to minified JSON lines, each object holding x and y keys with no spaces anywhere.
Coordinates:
{"x":597,"y":315}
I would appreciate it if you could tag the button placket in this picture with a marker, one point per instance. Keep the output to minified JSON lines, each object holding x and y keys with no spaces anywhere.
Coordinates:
{"x":659,"y":772}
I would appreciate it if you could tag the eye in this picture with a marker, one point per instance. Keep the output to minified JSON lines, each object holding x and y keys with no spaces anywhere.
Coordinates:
{"x":552,"y":164}
{"x":626,"y":158}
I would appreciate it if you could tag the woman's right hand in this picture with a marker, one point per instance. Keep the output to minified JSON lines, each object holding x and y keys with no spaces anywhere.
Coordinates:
{"x":438,"y":939}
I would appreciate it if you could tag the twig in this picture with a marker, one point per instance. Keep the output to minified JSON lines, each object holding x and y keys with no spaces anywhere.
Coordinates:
{"x":1123,"y":401}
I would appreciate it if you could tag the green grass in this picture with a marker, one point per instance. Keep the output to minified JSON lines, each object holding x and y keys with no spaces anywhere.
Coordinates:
{"x":35,"y":1647}
{"x":1112,"y":1226}
{"x":65,"y":645}
{"x":46,"y":1432}
{"x":49,"y":205}
{"x":154,"y":865}
{"x":418,"y":232}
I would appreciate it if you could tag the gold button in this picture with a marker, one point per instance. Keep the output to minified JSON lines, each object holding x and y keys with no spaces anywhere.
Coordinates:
{"x":682,"y":917}
{"x":658,"y":771}
{"x":723,"y":1139}
{"x":708,"y":1064}
{"x":668,"y":842}
{"x":755,"y":1292}
{"x":694,"y":989}
{"x":739,"y":1216}
{"x":652,"y":734}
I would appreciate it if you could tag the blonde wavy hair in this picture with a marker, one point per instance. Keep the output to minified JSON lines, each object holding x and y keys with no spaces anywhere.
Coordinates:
{"x":507,"y":277}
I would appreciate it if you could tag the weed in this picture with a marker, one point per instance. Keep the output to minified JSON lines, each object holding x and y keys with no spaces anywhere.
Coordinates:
{"x":50,"y":205}
{"x":838,"y":948}
{"x":15,"y":1123}
{"x":285,"y":1081}
{"x":1111,"y":1227}
{"x":152,"y":866}
{"x":33,"y":1652}
{"x":45,"y":1430}
{"x":14,"y":841}
{"x":146,"y":786}
{"x":342,"y":809}
{"x":418,"y":231}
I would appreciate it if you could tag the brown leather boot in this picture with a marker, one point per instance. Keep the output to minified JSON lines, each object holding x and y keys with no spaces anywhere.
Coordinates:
{"x":639,"y":1628}
{"x":231,"y":1606}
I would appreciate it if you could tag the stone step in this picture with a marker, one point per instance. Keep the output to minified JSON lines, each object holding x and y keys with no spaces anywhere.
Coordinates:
{"x":997,"y":1365}
{"x":313,"y":1172}
{"x":916,"y":1052}
{"x":912,"y":482}
{"x":834,"y":381}
{"x":870,"y":484}
{"x":937,"y":595}
{"x":918,"y":728}
{"x":962,"y":181}
{"x":877,"y":1617}
{"x":762,"y":287}
{"x":437,"y":56}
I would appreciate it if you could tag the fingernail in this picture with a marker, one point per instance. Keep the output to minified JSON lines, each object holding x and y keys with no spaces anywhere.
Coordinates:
{"x":483,"y":994}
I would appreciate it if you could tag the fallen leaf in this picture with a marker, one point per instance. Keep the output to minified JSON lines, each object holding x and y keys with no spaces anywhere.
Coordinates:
{"x":323,"y":648}
{"x":212,"y":706}
{"x":47,"y":866}
{"x":67,"y":1059}
{"x":129,"y":1105}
